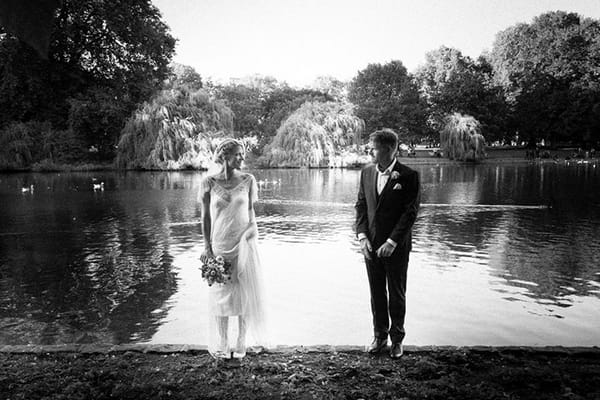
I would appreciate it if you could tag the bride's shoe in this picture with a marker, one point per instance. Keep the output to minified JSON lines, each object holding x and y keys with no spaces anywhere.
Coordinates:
{"x":240,"y":349}
{"x":222,"y":350}
{"x":220,"y":354}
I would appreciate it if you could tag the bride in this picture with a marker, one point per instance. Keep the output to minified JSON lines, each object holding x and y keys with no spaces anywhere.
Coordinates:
{"x":236,"y":308}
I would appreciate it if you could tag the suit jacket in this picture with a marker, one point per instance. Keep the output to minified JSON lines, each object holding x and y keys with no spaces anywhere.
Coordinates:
{"x":392,"y":213}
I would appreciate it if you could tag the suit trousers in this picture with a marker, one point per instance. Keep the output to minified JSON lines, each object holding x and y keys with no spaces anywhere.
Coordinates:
{"x":390,"y":272}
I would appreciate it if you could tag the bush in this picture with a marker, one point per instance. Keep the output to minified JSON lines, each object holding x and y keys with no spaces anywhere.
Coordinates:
{"x":25,"y":143}
{"x":16,"y":143}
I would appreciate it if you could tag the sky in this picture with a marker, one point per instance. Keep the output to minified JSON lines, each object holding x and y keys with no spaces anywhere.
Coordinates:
{"x":299,"y":40}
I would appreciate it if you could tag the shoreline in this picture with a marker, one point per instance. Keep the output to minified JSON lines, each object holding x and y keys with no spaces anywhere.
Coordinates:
{"x":404,"y":160}
{"x":299,"y":372}
{"x":169,"y":348}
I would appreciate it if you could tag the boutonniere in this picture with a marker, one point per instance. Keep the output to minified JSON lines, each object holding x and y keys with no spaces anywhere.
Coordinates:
{"x":397,"y":186}
{"x":395,"y":175}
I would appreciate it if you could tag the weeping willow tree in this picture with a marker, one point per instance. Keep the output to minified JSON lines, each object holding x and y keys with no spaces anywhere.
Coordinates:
{"x":15,"y":146}
{"x":25,"y":143}
{"x":174,"y":130}
{"x":461,"y":138}
{"x":314,"y":136}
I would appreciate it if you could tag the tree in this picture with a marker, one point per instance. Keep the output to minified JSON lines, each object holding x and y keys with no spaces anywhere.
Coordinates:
{"x":260,"y":105}
{"x":280,"y":104}
{"x":550,"y":73}
{"x":386,"y":96}
{"x":31,"y":21}
{"x":461,"y":138}
{"x":103,"y":55}
{"x":451,"y":82}
{"x":183,"y":75}
{"x":265,"y":84}
{"x":122,"y":42}
{"x":25,"y":143}
{"x":331,"y":86}
{"x":174,"y":130}
{"x":314,"y":135}
{"x":247,"y":106}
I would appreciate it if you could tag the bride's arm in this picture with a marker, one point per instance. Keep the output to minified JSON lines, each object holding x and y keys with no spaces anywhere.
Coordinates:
{"x":251,"y":214}
{"x":252,"y":198}
{"x":206,"y":224}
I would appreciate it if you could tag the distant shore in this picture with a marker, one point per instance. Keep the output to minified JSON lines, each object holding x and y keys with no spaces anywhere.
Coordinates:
{"x":494,"y":156}
{"x":323,"y":372}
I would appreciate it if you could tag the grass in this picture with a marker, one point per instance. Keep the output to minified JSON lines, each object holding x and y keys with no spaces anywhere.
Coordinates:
{"x":442,"y":374}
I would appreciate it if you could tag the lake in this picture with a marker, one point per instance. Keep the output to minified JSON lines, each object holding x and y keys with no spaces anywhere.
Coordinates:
{"x":503,"y":255}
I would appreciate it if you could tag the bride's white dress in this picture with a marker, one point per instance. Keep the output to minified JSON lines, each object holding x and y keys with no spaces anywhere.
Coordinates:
{"x":236,"y":309}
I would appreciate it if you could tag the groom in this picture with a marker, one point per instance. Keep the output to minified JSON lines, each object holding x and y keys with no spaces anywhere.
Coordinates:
{"x":388,"y":201}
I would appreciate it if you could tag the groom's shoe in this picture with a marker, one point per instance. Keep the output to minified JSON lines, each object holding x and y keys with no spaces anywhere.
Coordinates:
{"x":377,"y":346}
{"x":396,"y":351}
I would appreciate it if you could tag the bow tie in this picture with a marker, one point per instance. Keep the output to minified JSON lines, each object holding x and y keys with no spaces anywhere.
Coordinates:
{"x":386,"y":172}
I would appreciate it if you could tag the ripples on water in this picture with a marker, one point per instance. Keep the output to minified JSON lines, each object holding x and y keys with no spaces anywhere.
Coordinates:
{"x":502,"y":255}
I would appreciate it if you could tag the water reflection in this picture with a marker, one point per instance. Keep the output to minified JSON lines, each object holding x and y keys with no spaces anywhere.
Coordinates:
{"x":504,"y":254}
{"x":81,"y":266}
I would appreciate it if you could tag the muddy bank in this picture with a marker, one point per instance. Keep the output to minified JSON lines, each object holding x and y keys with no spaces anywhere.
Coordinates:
{"x":166,"y":372}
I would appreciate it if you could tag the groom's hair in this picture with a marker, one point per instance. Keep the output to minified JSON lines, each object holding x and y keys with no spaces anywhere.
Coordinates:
{"x":386,"y":137}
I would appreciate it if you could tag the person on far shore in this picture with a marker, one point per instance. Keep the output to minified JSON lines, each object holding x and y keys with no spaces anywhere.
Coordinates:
{"x":386,"y":209}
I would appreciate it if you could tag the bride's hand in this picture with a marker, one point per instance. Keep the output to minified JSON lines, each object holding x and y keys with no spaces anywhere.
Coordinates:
{"x":252,"y":232}
{"x":206,"y":255}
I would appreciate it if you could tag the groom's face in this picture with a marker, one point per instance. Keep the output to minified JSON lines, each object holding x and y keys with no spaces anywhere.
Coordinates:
{"x":382,"y":153}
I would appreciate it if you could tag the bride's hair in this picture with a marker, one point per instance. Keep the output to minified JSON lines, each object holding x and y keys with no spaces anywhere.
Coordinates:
{"x":225,"y":149}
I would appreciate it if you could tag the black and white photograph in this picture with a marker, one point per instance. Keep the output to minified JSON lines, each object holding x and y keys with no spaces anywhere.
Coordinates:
{"x":299,"y":199}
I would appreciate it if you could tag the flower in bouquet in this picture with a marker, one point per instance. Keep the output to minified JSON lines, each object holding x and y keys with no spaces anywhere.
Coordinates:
{"x":216,"y":270}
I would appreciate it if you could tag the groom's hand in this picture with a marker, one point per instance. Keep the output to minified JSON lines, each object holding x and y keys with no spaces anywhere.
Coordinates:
{"x":385,"y":250}
{"x":366,"y":248}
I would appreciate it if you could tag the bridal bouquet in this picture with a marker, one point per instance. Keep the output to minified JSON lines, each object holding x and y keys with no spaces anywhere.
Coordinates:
{"x":216,"y":270}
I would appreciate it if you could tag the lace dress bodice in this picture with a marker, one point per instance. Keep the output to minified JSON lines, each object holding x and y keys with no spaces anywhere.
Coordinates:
{"x":229,"y":212}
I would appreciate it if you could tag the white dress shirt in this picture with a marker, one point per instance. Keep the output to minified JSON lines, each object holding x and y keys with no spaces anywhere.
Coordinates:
{"x":382,"y":179}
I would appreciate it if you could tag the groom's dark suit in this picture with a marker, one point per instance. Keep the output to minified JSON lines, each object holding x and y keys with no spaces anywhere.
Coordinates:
{"x":389,"y":215}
